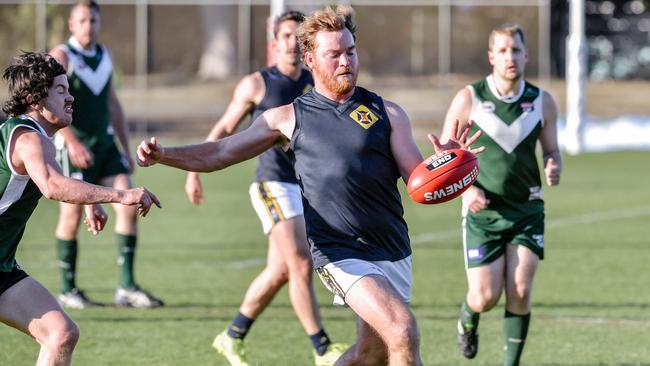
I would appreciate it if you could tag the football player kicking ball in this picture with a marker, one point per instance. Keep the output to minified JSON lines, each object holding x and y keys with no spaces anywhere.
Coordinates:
{"x":503,"y":212}
{"x":39,"y":105}
{"x":276,"y":197}
{"x":350,"y":147}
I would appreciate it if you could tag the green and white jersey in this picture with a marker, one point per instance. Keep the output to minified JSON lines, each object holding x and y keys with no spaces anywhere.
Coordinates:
{"x":89,"y":76}
{"x":511,"y":126}
{"x":18,"y":194}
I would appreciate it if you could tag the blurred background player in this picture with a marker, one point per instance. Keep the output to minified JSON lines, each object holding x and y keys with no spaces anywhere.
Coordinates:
{"x":275,"y":195}
{"x":340,"y":132}
{"x":40,"y":104}
{"x":503,"y":212}
{"x":87,"y":151}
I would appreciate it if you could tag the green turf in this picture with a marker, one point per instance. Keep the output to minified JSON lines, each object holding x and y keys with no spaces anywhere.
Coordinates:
{"x":591,"y":297}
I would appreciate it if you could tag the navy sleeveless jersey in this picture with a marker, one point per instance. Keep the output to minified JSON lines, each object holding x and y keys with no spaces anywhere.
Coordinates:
{"x":275,"y":164}
{"x":348,"y":177}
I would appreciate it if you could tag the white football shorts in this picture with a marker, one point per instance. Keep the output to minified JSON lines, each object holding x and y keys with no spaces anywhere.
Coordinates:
{"x":275,"y":201}
{"x":340,"y":276}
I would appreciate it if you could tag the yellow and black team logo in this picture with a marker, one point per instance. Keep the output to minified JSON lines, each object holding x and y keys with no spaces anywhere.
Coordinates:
{"x":363,"y":116}
{"x":307,"y":88}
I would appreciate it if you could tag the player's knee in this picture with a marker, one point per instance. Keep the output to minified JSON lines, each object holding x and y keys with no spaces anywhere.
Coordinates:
{"x":404,"y":336}
{"x":278,"y":276}
{"x":301,"y":268}
{"x":481,"y":301}
{"x":520,"y":296}
{"x":64,"y":337}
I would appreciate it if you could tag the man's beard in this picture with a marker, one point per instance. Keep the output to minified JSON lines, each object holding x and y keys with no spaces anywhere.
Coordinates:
{"x":334,"y":83}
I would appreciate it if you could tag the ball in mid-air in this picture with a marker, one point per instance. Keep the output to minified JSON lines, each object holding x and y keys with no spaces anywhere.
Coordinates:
{"x":443,"y":176}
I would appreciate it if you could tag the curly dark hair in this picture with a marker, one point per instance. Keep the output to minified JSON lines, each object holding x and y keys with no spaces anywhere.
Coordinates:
{"x":29,"y":77}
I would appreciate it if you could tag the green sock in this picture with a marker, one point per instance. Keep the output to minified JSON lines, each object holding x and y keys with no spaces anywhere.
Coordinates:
{"x":126,"y":254}
{"x":515,"y":329}
{"x":468,"y":317}
{"x":67,"y":254}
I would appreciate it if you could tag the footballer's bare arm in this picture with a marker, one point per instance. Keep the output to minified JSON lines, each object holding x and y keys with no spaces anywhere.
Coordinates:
{"x":33,"y":154}
{"x":457,"y":115}
{"x":249,"y":92}
{"x":273,"y":127}
{"x":549,"y":142}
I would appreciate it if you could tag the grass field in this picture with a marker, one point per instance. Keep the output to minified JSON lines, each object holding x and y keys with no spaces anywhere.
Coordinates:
{"x":591,"y":298}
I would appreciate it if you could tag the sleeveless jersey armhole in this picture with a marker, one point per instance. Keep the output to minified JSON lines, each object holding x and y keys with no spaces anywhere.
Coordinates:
{"x":296,"y":126}
{"x":8,"y":151}
{"x":539,"y":103}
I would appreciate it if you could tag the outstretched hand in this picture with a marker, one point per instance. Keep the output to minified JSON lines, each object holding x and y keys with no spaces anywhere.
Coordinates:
{"x":141,"y":197}
{"x":96,"y":218}
{"x":149,"y":152}
{"x":458,"y":141}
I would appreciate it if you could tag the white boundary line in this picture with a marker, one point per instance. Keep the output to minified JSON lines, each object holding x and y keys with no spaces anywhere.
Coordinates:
{"x":592,"y":320}
{"x":581,"y":219}
{"x":246,"y":263}
{"x":438,"y":236}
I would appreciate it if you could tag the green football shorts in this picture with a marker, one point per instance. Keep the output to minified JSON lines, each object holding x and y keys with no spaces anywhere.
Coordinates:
{"x":108,"y":162}
{"x":485,"y":238}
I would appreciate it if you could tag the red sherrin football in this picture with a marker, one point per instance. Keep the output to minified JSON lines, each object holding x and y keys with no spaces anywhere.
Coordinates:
{"x":442,"y":177}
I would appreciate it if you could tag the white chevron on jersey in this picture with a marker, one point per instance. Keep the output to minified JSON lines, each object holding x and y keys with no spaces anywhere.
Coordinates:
{"x":96,"y":79}
{"x":506,"y":136}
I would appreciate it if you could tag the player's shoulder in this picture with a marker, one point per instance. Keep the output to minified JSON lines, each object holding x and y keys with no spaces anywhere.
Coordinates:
{"x":396,"y":115}
{"x":548,"y":100}
{"x":60,"y":54}
{"x":252,"y":83}
{"x":250,"y":88}
{"x":13,"y":122}
{"x":24,"y":133}
{"x":282,"y":119}
{"x":279,"y":113}
{"x":393,"y":109}
{"x":255,"y":79}
{"x":464,"y":96}
{"x":549,"y":105}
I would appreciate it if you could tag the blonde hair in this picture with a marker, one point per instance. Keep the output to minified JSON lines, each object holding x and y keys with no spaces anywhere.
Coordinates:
{"x":324,"y":20}
{"x":507,"y":29}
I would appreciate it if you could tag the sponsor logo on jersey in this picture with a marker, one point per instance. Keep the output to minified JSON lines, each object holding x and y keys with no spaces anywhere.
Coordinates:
{"x":452,"y":188}
{"x":437,"y":161}
{"x":363,"y":116}
{"x":488,"y":106}
{"x":527,"y":106}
